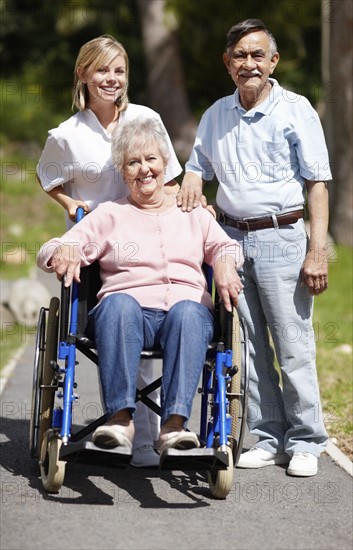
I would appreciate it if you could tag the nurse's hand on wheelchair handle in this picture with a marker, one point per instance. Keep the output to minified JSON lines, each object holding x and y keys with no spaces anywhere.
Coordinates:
{"x":73,"y":206}
{"x":66,"y":262}
{"x":227,"y":281}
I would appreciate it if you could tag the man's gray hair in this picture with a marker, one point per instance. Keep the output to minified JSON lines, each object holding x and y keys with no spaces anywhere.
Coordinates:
{"x":246,"y":27}
{"x":129,"y":136}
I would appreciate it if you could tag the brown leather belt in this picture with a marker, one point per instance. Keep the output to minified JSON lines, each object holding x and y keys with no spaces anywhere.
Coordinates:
{"x":261,"y":223}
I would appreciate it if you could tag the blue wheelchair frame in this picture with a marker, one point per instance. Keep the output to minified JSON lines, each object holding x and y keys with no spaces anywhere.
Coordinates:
{"x":67,"y":351}
{"x":215,"y":430}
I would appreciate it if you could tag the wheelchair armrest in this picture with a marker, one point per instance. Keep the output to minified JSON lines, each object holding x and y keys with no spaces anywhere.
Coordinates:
{"x":64,"y":312}
{"x":87,"y":299}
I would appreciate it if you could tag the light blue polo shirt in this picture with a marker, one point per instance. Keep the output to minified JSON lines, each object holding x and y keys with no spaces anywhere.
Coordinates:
{"x":260,"y":157}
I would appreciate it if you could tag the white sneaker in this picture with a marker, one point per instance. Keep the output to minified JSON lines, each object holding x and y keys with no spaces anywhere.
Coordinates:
{"x":302,"y":465}
{"x":145,"y":457}
{"x":258,"y":458}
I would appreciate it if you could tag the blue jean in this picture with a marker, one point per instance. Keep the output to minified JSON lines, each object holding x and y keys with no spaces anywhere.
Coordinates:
{"x":121,"y":328}
{"x":275,"y":306}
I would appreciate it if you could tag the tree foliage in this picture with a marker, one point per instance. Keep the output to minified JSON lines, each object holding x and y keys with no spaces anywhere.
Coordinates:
{"x":40,"y":40}
{"x":38,"y":32}
{"x":202,"y":29}
{"x":338,"y":63}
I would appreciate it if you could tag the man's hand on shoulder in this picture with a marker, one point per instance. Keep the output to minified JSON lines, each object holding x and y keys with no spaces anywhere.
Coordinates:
{"x":190,"y":194}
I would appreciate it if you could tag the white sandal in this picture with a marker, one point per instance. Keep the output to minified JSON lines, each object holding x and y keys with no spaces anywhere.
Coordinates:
{"x":181,"y":441}
{"x":111,"y":436}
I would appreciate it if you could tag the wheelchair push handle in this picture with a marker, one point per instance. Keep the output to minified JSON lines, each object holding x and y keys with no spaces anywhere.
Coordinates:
{"x":79,"y":214}
{"x":67,"y":297}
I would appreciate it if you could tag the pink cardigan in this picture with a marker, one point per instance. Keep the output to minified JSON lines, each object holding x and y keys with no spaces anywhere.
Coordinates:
{"x":154,"y":257}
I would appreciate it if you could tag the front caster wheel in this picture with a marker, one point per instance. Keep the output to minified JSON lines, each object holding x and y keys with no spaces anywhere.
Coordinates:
{"x":221,"y":481}
{"x":52,"y":470}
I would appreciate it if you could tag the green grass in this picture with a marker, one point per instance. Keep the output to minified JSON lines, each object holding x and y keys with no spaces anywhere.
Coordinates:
{"x":333,"y":330}
{"x":28,"y":217}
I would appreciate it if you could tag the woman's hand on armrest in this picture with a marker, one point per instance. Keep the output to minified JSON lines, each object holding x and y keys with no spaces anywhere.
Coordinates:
{"x":66,"y":262}
{"x":227,"y":281}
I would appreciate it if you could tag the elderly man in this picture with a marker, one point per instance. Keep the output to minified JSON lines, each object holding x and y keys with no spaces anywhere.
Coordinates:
{"x":266,"y":147}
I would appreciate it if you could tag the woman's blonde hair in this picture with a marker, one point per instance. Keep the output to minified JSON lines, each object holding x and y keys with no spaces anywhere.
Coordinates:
{"x":94,"y":54}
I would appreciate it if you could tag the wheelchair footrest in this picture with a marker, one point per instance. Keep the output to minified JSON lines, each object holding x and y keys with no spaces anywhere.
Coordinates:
{"x":194,"y":459}
{"x":87,"y":452}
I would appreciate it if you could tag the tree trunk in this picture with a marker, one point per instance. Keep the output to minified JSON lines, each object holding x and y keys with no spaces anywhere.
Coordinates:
{"x":166,"y":86}
{"x":337,"y":75}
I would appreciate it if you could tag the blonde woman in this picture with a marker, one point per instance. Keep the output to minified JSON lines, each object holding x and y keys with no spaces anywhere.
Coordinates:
{"x":76,"y":168}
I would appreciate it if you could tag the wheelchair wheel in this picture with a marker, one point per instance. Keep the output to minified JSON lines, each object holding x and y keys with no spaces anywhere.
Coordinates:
{"x":238,"y":387}
{"x":221,"y":481}
{"x":52,"y":470}
{"x":43,"y":389}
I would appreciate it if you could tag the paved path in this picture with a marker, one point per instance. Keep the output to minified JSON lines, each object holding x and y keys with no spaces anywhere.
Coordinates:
{"x":140,"y":509}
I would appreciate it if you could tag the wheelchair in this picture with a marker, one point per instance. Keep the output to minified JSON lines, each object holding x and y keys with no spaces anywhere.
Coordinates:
{"x":223,"y":393}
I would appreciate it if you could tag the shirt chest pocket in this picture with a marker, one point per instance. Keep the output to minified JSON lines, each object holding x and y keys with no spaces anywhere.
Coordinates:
{"x":274,"y":148}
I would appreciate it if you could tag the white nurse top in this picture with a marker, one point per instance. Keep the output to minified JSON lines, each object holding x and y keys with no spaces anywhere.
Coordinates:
{"x":77,"y":155}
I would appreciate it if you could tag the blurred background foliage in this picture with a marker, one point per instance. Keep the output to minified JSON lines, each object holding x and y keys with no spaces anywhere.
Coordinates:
{"x":40,"y":40}
{"x":202,"y":27}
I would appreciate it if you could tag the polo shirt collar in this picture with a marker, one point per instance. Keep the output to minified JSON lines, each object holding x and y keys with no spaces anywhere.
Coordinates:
{"x":95,"y":124}
{"x":264,"y":108}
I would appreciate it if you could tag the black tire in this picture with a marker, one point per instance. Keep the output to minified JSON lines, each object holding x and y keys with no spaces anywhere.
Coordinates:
{"x":43,"y":389}
{"x":37,"y":370}
{"x":237,"y":391}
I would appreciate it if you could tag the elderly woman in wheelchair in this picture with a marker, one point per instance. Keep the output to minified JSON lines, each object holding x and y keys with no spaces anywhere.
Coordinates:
{"x":154,"y":294}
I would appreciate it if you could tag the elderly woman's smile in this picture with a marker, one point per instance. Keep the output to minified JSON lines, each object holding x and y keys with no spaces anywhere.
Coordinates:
{"x":144,"y":174}
{"x":145,"y":180}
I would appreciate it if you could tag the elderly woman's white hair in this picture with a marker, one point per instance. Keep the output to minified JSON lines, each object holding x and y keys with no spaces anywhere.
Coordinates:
{"x":129,"y":136}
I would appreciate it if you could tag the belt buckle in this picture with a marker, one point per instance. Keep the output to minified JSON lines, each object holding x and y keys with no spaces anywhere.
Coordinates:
{"x":246,"y":222}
